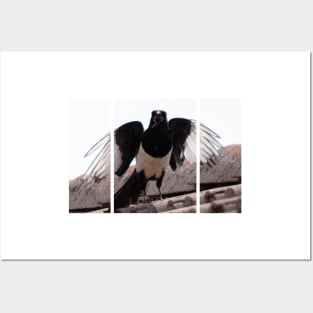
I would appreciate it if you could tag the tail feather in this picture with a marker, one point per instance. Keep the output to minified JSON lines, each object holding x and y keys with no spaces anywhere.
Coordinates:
{"x":128,"y":193}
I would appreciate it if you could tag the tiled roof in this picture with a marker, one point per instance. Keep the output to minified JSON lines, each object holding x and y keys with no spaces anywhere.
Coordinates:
{"x":221,"y":200}
{"x":215,"y":200}
{"x":178,"y":188}
{"x":86,"y":198}
{"x":185,"y":204}
{"x":227,"y":169}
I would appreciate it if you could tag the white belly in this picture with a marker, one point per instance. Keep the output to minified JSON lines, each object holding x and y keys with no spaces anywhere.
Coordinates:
{"x":150,"y":165}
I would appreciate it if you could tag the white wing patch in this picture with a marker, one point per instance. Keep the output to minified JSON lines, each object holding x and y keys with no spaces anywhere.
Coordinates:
{"x":100,"y":166}
{"x":209,"y":144}
{"x":117,"y":156}
{"x":191,"y":144}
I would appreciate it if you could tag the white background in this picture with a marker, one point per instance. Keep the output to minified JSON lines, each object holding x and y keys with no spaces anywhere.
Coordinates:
{"x":89,"y":121}
{"x":274,"y":91}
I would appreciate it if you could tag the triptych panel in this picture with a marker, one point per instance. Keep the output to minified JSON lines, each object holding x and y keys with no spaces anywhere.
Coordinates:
{"x":155,"y":156}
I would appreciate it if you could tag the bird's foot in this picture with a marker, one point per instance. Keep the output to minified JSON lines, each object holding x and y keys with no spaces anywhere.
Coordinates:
{"x":146,"y":201}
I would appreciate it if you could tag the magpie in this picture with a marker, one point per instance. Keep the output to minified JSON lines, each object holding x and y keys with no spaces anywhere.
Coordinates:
{"x":163,"y":144}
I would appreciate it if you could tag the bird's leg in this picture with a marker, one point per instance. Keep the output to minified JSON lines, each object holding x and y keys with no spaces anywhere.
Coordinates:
{"x":143,"y":184}
{"x":159,"y":183}
{"x":160,"y":194}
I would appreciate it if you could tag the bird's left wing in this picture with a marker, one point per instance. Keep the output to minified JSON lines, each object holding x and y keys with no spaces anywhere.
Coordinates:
{"x":185,"y":141}
{"x":183,"y":132}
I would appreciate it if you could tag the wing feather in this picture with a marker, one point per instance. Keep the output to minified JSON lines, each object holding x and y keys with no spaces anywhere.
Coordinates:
{"x":100,"y":166}
{"x":184,"y":133}
{"x":209,"y":145}
{"x":126,"y":144}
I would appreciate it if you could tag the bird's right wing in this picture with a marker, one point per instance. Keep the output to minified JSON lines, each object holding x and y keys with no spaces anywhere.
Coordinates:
{"x":127,"y":142}
{"x":100,"y":166}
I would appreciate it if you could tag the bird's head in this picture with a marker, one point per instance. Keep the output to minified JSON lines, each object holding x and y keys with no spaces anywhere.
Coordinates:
{"x":158,"y":117}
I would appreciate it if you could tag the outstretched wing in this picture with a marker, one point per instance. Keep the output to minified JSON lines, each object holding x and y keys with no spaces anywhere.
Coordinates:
{"x":127,"y":142}
{"x":185,"y":141}
{"x":100,"y":166}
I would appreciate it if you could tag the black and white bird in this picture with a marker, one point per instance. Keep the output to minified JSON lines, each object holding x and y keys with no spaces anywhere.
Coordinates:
{"x":164,"y":143}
